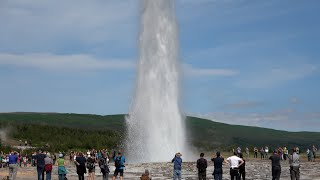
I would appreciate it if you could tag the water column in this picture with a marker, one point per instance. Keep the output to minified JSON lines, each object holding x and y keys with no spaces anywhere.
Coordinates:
{"x":156,"y":129}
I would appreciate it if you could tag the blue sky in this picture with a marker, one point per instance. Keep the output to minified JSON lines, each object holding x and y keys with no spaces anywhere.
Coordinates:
{"x":244,"y":62}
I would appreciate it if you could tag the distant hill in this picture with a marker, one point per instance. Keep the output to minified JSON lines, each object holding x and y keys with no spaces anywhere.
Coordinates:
{"x":202,"y":133}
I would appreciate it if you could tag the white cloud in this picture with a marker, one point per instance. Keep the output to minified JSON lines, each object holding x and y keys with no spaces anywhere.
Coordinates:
{"x":274,"y":76}
{"x":295,"y":100}
{"x":48,"y":61}
{"x":33,"y":25}
{"x":193,"y":71}
{"x":243,"y":104}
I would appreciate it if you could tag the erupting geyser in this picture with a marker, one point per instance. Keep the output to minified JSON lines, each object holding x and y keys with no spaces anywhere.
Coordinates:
{"x":156,"y":129}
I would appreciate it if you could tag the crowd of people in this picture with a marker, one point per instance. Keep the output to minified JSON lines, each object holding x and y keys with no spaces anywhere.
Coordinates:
{"x":237,"y":163}
{"x":85,"y":163}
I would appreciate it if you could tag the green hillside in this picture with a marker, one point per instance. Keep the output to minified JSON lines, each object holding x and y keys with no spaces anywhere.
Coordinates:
{"x":84,"y":131}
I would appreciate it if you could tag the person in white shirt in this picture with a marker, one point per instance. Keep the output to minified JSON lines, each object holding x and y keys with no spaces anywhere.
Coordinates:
{"x":266,"y":150}
{"x":234,"y":162}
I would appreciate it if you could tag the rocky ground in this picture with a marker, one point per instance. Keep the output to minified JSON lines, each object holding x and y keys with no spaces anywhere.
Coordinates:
{"x":256,"y":170}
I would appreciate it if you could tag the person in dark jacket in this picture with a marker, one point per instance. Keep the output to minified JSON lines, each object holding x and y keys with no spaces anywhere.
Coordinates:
{"x":276,"y":167}
{"x":40,"y":164}
{"x":81,"y":166}
{"x":177,"y":162}
{"x":202,"y":167}
{"x":242,"y":168}
{"x":217,"y":161}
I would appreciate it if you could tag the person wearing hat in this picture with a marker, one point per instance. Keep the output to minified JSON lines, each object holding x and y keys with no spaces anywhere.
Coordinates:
{"x":177,"y":162}
{"x":217,"y":162}
{"x":62,"y":172}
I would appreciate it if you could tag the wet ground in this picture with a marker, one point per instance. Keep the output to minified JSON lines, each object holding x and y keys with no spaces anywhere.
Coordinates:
{"x":255,"y":170}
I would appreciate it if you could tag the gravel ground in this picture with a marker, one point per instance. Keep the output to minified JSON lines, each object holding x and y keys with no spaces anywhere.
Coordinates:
{"x":255,"y":170}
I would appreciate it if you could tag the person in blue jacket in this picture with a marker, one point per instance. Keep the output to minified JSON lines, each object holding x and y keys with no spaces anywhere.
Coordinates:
{"x":177,"y":162}
{"x":119,"y":161}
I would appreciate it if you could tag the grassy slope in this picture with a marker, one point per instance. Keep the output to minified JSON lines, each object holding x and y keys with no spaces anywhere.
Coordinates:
{"x":213,"y":134}
{"x":201,"y":132}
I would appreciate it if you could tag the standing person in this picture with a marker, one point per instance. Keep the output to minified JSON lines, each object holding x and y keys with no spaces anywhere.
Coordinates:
{"x":309,"y":155}
{"x":62,"y":172}
{"x":255,"y":150}
{"x":262,"y":153}
{"x":314,"y":151}
{"x":266,"y":150}
{"x":54,"y":158}
{"x":177,"y":162}
{"x":91,"y":166}
{"x":25,"y":160}
{"x":202,"y":167}
{"x":276,"y":167}
{"x":247,"y":152}
{"x":119,"y":161}
{"x":280,"y":152}
{"x":104,"y":167}
{"x":242,"y":168}
{"x":19,"y":159}
{"x":235,"y":162}
{"x":13,"y":160}
{"x":294,"y":161}
{"x":285,"y":153}
{"x":33,"y":159}
{"x":238,"y":151}
{"x":217,"y":162}
{"x":81,"y":166}
{"x":40,"y":164}
{"x":48,"y":166}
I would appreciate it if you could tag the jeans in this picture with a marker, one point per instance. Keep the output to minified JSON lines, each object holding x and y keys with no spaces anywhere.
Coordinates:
{"x":81,"y":177}
{"x":202,"y":175}
{"x":40,"y":171}
{"x":276,"y":171}
{"x":217,"y":176}
{"x":234,"y":173}
{"x":48,"y":175}
{"x":177,"y":174}
{"x":12,"y":171}
{"x":61,"y":176}
{"x":105,"y":176}
{"x":294,"y":173}
{"x":242,"y":174}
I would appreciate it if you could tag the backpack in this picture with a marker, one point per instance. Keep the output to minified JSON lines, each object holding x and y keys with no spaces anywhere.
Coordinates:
{"x":90,"y":165}
{"x":48,"y":167}
{"x":102,"y":163}
{"x":117,"y":162}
